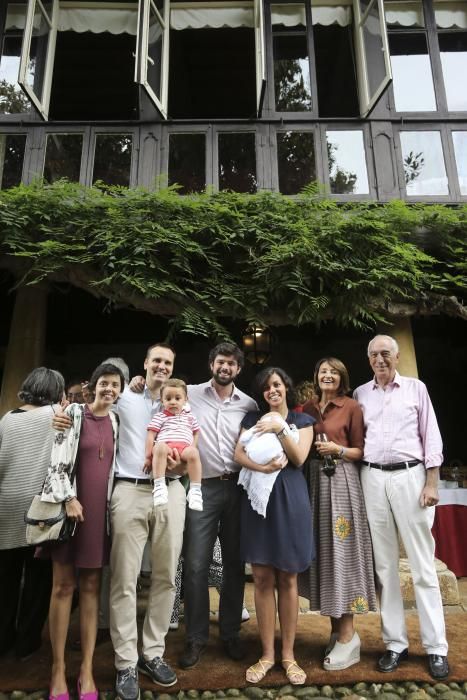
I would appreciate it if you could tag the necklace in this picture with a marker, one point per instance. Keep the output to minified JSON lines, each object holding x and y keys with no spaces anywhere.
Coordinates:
{"x":101,"y":451}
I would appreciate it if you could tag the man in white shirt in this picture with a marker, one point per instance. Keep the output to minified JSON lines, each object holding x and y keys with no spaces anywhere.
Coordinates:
{"x":402,"y":455}
{"x":220,"y":408}
{"x":133,"y":521}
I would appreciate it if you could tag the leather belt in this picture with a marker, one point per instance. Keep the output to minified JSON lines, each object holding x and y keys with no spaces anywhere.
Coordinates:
{"x":392,"y":467}
{"x":226,"y":476}
{"x":136,"y":482}
{"x":142,"y":482}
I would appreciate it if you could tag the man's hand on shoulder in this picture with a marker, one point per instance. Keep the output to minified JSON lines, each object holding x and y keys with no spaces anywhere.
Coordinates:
{"x":137,"y":384}
{"x":429,"y":496}
{"x":61,"y":421}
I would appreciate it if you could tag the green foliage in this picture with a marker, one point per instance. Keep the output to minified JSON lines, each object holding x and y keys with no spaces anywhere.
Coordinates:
{"x":201,"y":258}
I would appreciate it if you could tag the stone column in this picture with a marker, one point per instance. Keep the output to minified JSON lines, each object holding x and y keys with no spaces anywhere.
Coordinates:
{"x":401,"y":330}
{"x":26,"y":342}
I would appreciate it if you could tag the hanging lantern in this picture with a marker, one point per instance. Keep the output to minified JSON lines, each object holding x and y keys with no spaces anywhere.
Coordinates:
{"x":257,"y":344}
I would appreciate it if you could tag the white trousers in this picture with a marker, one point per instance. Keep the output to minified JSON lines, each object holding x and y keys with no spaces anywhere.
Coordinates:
{"x":392,"y":505}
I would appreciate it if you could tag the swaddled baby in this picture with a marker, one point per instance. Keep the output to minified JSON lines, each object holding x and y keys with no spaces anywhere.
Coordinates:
{"x":262,"y":448}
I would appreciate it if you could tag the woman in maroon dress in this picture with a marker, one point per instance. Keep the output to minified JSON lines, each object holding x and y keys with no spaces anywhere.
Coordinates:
{"x":81,"y":474}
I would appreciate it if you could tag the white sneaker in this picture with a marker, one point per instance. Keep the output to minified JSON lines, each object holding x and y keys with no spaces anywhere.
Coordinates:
{"x":245,"y":615}
{"x":343,"y":655}
{"x":160,"y":494}
{"x":195,"y":499}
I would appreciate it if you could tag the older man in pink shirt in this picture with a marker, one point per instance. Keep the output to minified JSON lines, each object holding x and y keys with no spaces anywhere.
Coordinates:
{"x":400,"y":469}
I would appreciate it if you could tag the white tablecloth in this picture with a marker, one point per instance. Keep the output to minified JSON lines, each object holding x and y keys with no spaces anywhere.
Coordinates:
{"x":452,"y":497}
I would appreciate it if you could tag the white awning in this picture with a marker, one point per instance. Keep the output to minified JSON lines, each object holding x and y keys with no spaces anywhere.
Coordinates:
{"x":405,"y":14}
{"x":293,"y":15}
{"x":122,"y":18}
{"x":451,"y":14}
{"x":448,"y":14}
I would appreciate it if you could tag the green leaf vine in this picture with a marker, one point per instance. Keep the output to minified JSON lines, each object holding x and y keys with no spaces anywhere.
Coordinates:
{"x":202,"y":258}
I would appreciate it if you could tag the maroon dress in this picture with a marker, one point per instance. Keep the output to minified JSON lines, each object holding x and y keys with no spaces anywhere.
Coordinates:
{"x":89,"y":548}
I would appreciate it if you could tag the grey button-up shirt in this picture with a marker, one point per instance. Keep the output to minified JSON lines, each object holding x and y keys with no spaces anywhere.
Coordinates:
{"x":220,"y":423}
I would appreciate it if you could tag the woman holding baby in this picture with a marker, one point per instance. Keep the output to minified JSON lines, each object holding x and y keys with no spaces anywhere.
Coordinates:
{"x":277,"y":537}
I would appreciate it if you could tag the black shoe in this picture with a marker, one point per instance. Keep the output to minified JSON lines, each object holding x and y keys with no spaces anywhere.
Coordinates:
{"x":126,"y":685}
{"x":191,"y":654}
{"x":391,"y":660}
{"x":438,"y":666}
{"x":235,"y":648}
{"x":158,"y":670}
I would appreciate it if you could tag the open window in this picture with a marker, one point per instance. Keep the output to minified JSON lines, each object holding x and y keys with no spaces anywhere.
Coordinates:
{"x":372,"y":52}
{"x":152,"y":51}
{"x":37,"y":53}
{"x":260,"y":55}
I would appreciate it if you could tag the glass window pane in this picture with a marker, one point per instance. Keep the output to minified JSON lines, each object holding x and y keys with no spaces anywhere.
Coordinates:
{"x":237,"y":162}
{"x":411,"y":71}
{"x":11,"y":159}
{"x":346,"y":161}
{"x":12,"y":98}
{"x":63,"y":157}
{"x":187,"y":162}
{"x":47,"y":5}
{"x":453,"y":49}
{"x":424,"y":168}
{"x":460,"y":149}
{"x":335,"y":71}
{"x":159,"y":4}
{"x":374,"y":47}
{"x":292,"y":84}
{"x":295,"y":160}
{"x":112,"y":159}
{"x":155,"y":40}
{"x":38,"y":52}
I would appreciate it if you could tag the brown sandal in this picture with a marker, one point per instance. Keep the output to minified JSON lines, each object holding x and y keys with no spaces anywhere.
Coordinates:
{"x":295,"y":674}
{"x":259,"y":670}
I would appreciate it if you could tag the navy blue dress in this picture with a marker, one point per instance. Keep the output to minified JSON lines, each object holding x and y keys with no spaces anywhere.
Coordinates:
{"x":284,"y":538}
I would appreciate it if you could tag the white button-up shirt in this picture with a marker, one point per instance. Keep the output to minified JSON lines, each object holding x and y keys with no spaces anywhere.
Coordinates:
{"x":220,"y":422}
{"x":135,"y":411}
{"x":400,"y":422}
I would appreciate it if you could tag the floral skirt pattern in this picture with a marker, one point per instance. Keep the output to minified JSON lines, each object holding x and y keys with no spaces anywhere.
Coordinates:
{"x":341,"y":579}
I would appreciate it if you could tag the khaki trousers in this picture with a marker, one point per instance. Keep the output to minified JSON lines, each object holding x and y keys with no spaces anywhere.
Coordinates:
{"x":134,"y":520}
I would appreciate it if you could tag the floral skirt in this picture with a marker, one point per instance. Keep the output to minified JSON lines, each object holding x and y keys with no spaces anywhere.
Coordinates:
{"x":341,"y":580}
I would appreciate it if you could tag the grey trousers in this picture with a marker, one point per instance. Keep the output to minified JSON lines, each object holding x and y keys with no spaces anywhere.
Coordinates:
{"x":221,"y":516}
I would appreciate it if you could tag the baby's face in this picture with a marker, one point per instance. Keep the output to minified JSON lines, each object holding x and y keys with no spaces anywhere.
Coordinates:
{"x":173,"y":399}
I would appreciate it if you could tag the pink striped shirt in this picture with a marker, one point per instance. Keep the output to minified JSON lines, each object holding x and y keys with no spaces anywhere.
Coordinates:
{"x":170,"y":427}
{"x":400,"y":422}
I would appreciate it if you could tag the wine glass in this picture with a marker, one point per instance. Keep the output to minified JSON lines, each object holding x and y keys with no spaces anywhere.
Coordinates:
{"x":329,"y":466}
